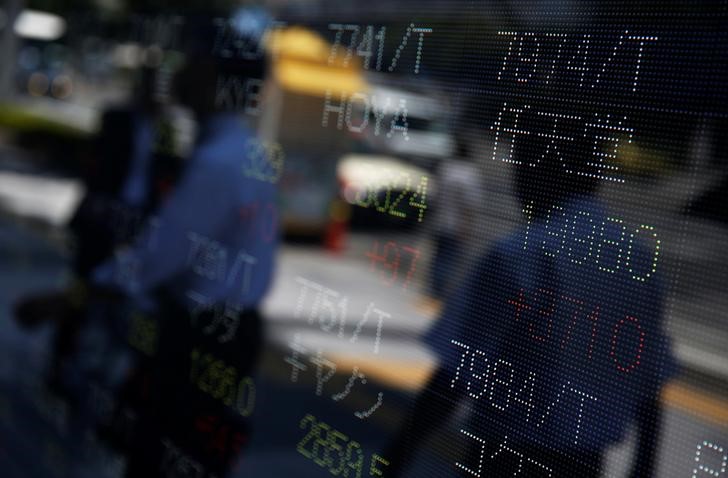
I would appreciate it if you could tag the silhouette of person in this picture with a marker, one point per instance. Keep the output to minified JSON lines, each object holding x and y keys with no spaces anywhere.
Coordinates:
{"x":460,"y":193}
{"x":132,"y":163}
{"x":198,"y":276}
{"x":555,"y":336}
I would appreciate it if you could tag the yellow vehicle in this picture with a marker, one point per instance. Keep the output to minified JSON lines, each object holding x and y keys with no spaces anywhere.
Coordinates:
{"x":304,"y":72}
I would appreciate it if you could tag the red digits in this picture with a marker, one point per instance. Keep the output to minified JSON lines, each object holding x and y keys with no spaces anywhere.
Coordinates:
{"x":393,"y":265}
{"x":413,"y":263}
{"x":519,"y":304}
{"x":545,"y":311}
{"x":390,"y":258}
{"x":540,"y":324}
{"x":640,"y":346}
{"x":374,"y":256}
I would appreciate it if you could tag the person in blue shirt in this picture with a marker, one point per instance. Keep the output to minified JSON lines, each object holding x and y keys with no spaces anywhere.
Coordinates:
{"x":198,"y":274}
{"x":556,"y":337}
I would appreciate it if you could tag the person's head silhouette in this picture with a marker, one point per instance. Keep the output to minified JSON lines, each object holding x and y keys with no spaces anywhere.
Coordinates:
{"x":209,"y":60}
{"x":550,"y":171}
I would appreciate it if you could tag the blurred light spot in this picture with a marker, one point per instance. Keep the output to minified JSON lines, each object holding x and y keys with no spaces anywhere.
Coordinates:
{"x":127,"y":55}
{"x":251,"y":22}
{"x":38,"y":84}
{"x":39,"y":25}
{"x":62,"y":87}
{"x":349,"y":193}
{"x":52,"y":200}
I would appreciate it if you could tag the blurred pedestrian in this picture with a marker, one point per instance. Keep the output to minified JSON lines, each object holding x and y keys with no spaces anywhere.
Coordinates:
{"x":202,"y":270}
{"x":542,"y":309}
{"x":460,"y":195}
{"x":134,"y":160}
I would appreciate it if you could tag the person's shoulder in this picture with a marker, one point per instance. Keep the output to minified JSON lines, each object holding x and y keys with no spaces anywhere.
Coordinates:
{"x":211,"y":165}
{"x":224,"y":151}
{"x":510,"y":244}
{"x":502,"y":255}
{"x":228,"y":137}
{"x":224,"y":160}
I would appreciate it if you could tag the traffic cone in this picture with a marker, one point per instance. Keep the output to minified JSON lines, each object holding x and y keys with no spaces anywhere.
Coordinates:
{"x":338,"y":227}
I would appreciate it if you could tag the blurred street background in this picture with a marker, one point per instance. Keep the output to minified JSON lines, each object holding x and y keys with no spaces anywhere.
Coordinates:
{"x":52,"y":91}
{"x":34,"y":258}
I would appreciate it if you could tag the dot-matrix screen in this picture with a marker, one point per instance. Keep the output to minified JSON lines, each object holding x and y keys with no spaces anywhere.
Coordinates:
{"x":364,"y":239}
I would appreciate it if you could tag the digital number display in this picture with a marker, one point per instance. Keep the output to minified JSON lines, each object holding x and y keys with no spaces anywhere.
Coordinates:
{"x":451,"y":238}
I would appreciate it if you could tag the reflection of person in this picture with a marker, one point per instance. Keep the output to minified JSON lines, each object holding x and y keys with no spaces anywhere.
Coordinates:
{"x":460,"y":195}
{"x":557,"y":343}
{"x":129,"y":164}
{"x":121,"y":185}
{"x":206,"y":265}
